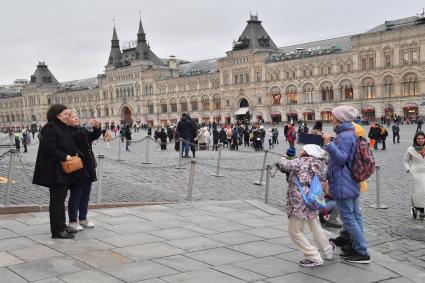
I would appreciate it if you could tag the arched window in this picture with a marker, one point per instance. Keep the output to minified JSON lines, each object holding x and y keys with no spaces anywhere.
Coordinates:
{"x":205,"y":103}
{"x":347,"y":90}
{"x":216,"y":101}
{"x":388,"y":86}
{"x":183,"y":104}
{"x":327,"y":92}
{"x":364,"y":63}
{"x":150,"y":107}
{"x":308,"y":93}
{"x":194,"y":103}
{"x":98,"y":111}
{"x":410,"y":85}
{"x":368,"y":87}
{"x":163,"y":106}
{"x":292,"y":95}
{"x":276,"y":96}
{"x":173,"y":104}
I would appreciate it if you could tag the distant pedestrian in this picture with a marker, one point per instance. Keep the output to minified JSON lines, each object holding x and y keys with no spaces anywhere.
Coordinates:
{"x":396,"y":133}
{"x":383,"y":136}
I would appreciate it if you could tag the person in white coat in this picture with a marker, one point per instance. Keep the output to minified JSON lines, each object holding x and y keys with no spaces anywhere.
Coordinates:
{"x":414,"y":162}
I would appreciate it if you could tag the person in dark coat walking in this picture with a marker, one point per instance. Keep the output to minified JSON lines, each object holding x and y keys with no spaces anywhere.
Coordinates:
{"x":396,"y":133}
{"x":163,"y":138}
{"x":215,"y":138}
{"x":222,"y":137}
{"x":127,"y":136}
{"x":56,"y":145}
{"x":80,"y":193}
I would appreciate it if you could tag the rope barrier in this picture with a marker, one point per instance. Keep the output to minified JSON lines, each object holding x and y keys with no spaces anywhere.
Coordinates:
{"x":137,"y":166}
{"x":229,"y":168}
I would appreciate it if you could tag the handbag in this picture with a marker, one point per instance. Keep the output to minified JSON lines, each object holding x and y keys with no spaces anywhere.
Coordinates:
{"x":71,"y":165}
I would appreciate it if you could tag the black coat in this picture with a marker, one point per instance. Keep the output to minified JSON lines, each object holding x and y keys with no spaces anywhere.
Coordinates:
{"x":185,"y":128}
{"x":215,"y":136}
{"x":83,"y":138}
{"x":55,"y":144}
{"x":222,"y":136}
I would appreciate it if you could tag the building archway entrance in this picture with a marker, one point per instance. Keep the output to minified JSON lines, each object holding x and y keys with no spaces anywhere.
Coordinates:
{"x":243,"y":114}
{"x":126,"y":115}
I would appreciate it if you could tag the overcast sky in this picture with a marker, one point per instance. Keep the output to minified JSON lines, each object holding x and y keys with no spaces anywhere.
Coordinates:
{"x":73,"y":37}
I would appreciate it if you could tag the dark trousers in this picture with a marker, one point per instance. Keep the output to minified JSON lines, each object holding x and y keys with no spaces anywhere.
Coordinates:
{"x":396,"y":135}
{"x":235,"y":144}
{"x":57,"y":209}
{"x":79,"y":201}
{"x":383,"y":143}
{"x":164,"y":145}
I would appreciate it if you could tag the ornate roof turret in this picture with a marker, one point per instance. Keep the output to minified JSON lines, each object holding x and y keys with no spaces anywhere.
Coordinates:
{"x":115,"y":55}
{"x":43,"y":76}
{"x":254,"y":37}
{"x":141,"y":36}
{"x":143,"y":50}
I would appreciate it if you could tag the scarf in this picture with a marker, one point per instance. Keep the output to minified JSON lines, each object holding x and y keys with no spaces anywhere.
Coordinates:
{"x":421,"y":150}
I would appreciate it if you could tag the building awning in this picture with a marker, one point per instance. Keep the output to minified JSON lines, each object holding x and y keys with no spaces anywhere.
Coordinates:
{"x":242,"y":111}
{"x":409,"y":106}
{"x":276,"y":114}
{"x":368,"y":108}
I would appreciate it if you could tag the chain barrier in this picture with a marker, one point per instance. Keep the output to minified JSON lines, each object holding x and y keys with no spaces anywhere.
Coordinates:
{"x":137,"y":166}
{"x":5,"y":154}
{"x":276,"y":153}
{"x":158,"y":142}
{"x":229,"y":168}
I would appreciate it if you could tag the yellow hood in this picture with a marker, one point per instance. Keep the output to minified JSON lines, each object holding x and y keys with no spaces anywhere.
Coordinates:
{"x":360,"y":132}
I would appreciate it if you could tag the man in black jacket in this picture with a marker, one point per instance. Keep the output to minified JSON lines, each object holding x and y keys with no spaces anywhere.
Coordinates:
{"x":185,"y":129}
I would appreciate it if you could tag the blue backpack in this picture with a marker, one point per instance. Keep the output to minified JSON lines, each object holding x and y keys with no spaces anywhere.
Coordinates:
{"x":315,"y":198}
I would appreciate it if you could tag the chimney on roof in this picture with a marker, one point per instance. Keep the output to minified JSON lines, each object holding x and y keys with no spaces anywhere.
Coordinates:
{"x":172,"y":62}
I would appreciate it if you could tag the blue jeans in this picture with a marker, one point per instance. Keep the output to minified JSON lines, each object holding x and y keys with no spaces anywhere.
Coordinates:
{"x":330,"y":205}
{"x":186,"y":147}
{"x":349,"y":211}
{"x":79,"y":201}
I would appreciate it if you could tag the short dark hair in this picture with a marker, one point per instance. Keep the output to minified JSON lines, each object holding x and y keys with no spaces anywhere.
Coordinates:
{"x":416,"y":136}
{"x":54,"y":111}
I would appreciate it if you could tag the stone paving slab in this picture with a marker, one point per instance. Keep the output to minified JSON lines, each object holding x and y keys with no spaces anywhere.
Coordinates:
{"x":194,"y":252}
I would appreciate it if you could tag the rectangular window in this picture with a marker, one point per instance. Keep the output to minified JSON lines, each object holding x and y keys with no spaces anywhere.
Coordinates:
{"x":405,"y":58}
{"x":341,"y":68}
{"x":241,"y":78}
{"x":304,"y":73}
{"x":414,"y":56}
{"x":259,"y":100}
{"x":329,"y":70}
{"x":387,"y":60}
{"x":236,"y":79}
{"x":247,"y":78}
{"x":364,"y":64}
{"x":293,"y":74}
{"x":349,"y":68}
{"x":258,"y":77}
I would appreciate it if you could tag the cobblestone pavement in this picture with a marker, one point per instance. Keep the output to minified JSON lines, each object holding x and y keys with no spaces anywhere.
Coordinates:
{"x":215,"y":241}
{"x":130,"y":180}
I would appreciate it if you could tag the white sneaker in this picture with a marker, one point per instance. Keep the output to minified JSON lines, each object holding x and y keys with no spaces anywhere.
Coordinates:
{"x":86,"y":224}
{"x":75,"y":226}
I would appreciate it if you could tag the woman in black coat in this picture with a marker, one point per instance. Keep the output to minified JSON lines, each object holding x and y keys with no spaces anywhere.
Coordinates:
{"x":215,"y":138}
{"x":56,"y":145}
{"x":80,"y":193}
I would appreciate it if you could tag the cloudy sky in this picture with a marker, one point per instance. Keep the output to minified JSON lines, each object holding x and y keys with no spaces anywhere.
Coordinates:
{"x":73,"y":37}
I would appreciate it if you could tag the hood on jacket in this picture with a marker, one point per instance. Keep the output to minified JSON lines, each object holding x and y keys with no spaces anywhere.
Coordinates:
{"x":344,"y":126}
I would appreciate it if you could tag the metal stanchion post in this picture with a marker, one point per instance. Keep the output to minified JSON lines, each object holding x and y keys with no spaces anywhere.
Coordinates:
{"x":180,"y":154}
{"x":378,"y":190}
{"x":191,"y":176}
{"x":268,"y":173}
{"x":10,"y":176}
{"x":119,"y":148}
{"x":100,"y":178}
{"x":217,"y":171}
{"x":147,"y":151}
{"x":260,"y":182}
